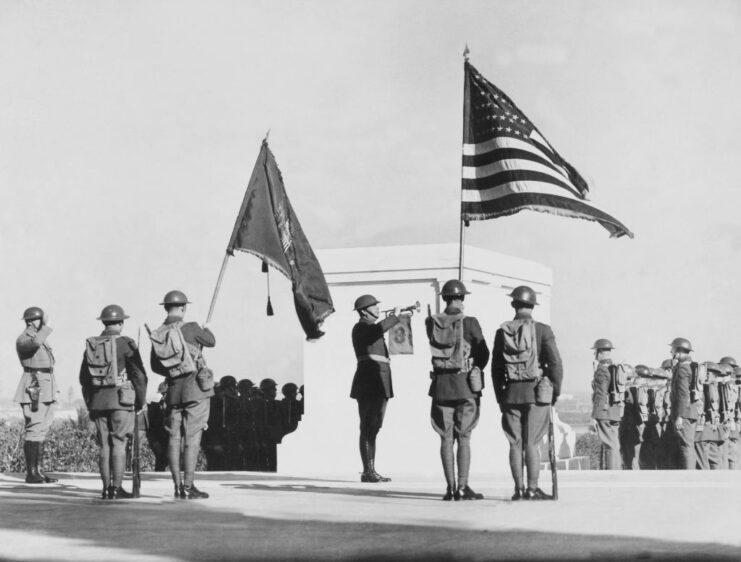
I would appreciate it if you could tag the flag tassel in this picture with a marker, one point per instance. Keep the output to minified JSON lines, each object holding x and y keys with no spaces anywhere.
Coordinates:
{"x":266,"y":270}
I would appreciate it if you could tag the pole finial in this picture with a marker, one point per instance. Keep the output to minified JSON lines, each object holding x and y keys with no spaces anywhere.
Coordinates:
{"x":466,"y":52}
{"x":265,"y":140}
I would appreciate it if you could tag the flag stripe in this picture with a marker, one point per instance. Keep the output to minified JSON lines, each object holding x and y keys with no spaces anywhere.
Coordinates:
{"x":553,"y":204}
{"x":516,"y":175}
{"x":505,"y":141}
{"x":504,"y":189}
{"x":509,"y":164}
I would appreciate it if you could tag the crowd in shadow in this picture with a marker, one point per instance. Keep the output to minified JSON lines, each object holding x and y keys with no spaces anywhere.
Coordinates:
{"x":245,"y":426}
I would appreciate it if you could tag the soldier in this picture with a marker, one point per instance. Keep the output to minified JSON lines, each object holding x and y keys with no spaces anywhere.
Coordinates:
{"x":246,"y":426}
{"x":37,"y":390}
{"x":729,"y":398}
{"x":526,"y":368}
{"x":667,"y":447}
{"x":114,"y":386}
{"x":734,"y":443}
{"x":272,"y":425}
{"x":634,"y":421}
{"x":289,"y":407}
{"x":220,"y":441}
{"x":459,"y":355}
{"x":607,"y":404}
{"x":710,"y":434}
{"x":189,"y":388}
{"x":157,"y":435}
{"x":371,"y":385}
{"x":650,"y":450}
{"x":686,"y":403}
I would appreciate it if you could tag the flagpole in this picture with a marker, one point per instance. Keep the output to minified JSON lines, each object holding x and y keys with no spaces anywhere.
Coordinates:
{"x":466,"y":111}
{"x":218,"y":286}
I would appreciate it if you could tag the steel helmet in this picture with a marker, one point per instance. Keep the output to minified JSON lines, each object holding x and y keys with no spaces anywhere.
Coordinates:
{"x":176,"y":298}
{"x":728,"y":360}
{"x":112,"y":313}
{"x":228,"y":381}
{"x":725,"y":368}
{"x":268,"y":384}
{"x":737,"y":372}
{"x":681,"y":343}
{"x":454,"y":288}
{"x":33,"y":313}
{"x":712,"y":367}
{"x":525,"y":295}
{"x":642,"y":371}
{"x":364,"y":301}
{"x":603,"y":343}
{"x":666,"y":364}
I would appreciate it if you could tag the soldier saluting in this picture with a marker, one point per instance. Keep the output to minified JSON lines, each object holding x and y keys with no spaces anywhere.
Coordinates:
{"x":527,"y":373}
{"x":176,"y":355}
{"x":114,"y":386}
{"x":37,"y":390}
{"x":371,"y":385}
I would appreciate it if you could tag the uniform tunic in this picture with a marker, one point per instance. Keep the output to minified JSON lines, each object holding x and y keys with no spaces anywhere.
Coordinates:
{"x":372,"y":378}
{"x":682,"y":407}
{"x":37,"y":360}
{"x":606,"y":415}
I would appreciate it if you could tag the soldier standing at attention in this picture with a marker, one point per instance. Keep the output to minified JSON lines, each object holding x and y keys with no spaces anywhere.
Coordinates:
{"x":114,"y":386}
{"x":635,"y":420}
{"x":525,"y":360}
{"x":189,"y":388}
{"x":459,"y":355}
{"x":607,"y":409}
{"x":667,"y":449}
{"x":729,"y":393}
{"x":686,"y":403}
{"x":36,"y":391}
{"x":371,"y":385}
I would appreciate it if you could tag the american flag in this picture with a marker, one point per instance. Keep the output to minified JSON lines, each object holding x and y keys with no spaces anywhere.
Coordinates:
{"x":508,"y":166}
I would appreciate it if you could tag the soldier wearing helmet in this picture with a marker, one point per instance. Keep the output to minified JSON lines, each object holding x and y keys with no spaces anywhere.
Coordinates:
{"x":188,"y":394}
{"x":522,"y":393}
{"x":710,"y":432}
{"x":459,"y":356}
{"x":607,"y":404}
{"x":114,"y":386}
{"x":37,"y":390}
{"x":685,"y":403}
{"x":371,"y":385}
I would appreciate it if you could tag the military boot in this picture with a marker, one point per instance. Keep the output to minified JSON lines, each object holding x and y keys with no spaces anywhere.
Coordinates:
{"x":536,"y":494}
{"x":47,"y":479}
{"x":31,"y":452}
{"x":375,"y":477}
{"x":449,"y":493}
{"x":519,"y":494}
{"x":192,"y":493}
{"x":469,"y":494}
{"x":118,"y":493}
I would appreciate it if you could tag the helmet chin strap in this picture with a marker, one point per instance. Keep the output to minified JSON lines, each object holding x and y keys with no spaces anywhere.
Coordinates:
{"x":370,"y":314}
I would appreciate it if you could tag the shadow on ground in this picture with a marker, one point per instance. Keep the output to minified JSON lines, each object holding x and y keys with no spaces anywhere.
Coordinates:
{"x":193,"y":531}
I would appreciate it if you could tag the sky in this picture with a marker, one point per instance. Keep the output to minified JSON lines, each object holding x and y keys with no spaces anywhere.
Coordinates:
{"x":128,"y":131}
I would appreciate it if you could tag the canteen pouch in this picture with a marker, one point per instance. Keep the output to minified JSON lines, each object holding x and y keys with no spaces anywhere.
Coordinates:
{"x":205,"y":379}
{"x":544,"y":391}
{"x":475,"y":380}
{"x":520,"y":351}
{"x":126,"y":394}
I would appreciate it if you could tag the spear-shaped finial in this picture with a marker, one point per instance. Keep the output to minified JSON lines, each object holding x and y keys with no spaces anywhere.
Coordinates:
{"x":265,"y":140}
{"x":466,"y":52}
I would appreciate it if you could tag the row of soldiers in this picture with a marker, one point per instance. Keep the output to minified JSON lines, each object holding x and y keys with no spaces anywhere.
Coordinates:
{"x":681,"y":415}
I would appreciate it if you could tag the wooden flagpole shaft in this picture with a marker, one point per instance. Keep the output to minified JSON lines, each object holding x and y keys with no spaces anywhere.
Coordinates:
{"x":461,"y":244}
{"x":218,"y":286}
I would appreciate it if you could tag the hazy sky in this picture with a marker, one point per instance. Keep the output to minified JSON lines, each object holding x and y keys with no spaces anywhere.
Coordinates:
{"x":128,"y":131}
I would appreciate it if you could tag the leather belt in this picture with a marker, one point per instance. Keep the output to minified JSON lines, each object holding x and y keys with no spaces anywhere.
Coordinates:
{"x":376,"y":358}
{"x":41,"y":370}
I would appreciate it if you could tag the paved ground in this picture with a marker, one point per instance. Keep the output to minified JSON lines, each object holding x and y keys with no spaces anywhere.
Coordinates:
{"x":600,"y":515}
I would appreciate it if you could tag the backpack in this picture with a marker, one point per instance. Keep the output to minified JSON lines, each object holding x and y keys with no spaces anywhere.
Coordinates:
{"x":450,"y":350}
{"x":618,"y":380}
{"x":641,"y":400}
{"x":520,"y":350}
{"x":728,"y":397}
{"x":172,"y":350}
{"x":102,"y":361}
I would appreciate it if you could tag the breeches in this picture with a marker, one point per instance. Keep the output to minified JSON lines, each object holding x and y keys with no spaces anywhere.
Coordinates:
{"x":188,"y":419}
{"x":37,"y":423}
{"x":607,"y":431}
{"x":685,"y":436}
{"x":454,"y":419}
{"x":113,"y":427}
{"x":371,"y":410}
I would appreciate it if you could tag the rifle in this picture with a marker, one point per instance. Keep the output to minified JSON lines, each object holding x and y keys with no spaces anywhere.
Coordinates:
{"x":135,"y":456}
{"x":552,"y":454}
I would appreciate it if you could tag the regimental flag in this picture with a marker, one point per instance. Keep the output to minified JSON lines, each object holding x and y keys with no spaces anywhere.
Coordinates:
{"x":508,"y":166}
{"x":268,"y":228}
{"x":400,"y":337}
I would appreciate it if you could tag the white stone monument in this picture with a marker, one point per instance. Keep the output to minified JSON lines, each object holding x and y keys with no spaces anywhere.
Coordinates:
{"x":326,"y":442}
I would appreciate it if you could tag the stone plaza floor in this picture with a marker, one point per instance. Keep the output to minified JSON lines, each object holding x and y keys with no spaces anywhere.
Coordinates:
{"x":663,"y":515}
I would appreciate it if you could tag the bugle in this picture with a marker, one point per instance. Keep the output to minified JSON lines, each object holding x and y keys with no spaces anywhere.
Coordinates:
{"x":412,"y":308}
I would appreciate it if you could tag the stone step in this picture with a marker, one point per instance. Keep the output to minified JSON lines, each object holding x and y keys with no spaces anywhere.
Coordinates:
{"x":573,"y":463}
